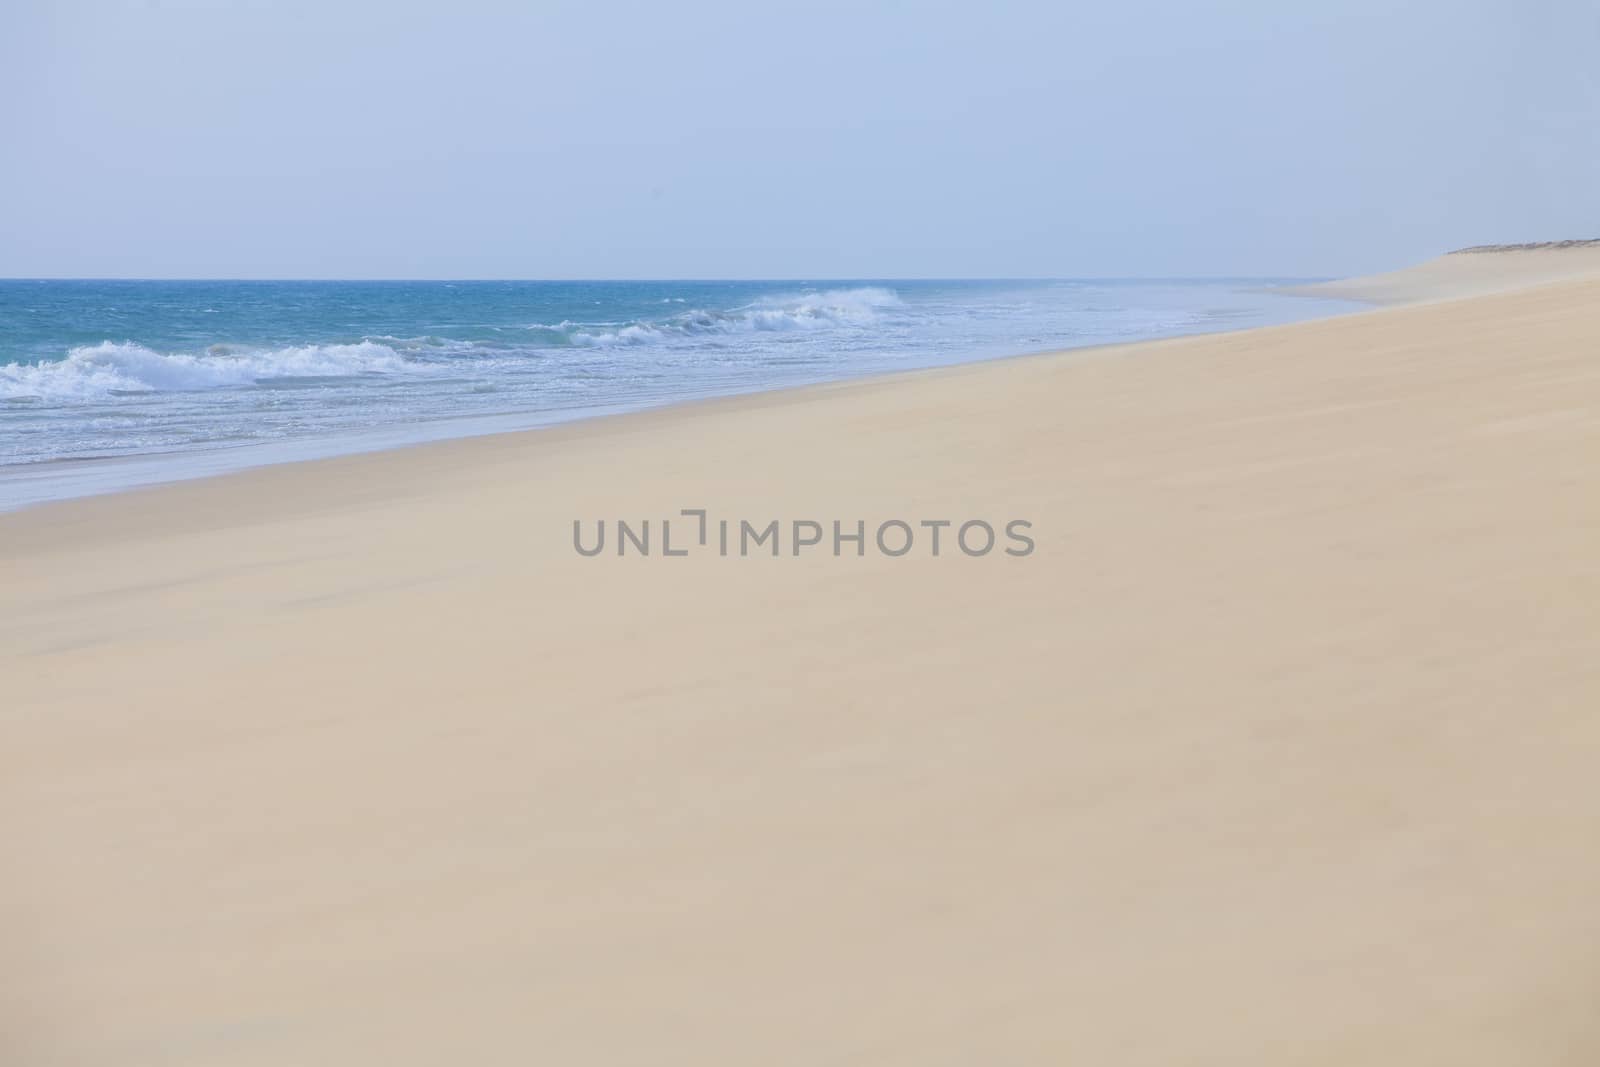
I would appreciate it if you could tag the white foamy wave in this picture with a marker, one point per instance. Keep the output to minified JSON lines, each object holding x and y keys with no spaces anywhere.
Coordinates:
{"x":93,"y":372}
{"x":827,"y":309}
{"x":863,"y":301}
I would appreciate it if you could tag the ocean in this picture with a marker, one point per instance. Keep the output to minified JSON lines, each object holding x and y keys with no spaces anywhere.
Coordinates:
{"x":109,"y":384}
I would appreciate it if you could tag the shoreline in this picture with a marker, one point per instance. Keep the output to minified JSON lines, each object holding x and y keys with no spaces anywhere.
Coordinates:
{"x":99,"y":476}
{"x":228,"y":464}
{"x":28,"y":485}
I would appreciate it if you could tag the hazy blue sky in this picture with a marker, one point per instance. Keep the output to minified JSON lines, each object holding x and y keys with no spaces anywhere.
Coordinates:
{"x":548,"y":138}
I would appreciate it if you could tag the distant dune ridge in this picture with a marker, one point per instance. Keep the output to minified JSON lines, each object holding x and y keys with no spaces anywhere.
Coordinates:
{"x":1529,"y":246}
{"x":1465,"y":272}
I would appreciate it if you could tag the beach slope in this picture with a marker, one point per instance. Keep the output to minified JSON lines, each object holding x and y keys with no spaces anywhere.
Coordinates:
{"x":1278,"y":749}
{"x":1475,"y":271}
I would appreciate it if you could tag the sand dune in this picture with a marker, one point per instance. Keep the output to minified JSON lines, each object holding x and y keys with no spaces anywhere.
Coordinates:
{"x":1279,"y":749}
{"x":1469,"y":272}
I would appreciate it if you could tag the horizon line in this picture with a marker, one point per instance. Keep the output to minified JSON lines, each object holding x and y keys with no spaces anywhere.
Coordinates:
{"x":796,"y":279}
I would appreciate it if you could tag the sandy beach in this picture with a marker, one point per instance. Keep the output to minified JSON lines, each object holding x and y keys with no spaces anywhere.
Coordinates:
{"x":1279,"y":748}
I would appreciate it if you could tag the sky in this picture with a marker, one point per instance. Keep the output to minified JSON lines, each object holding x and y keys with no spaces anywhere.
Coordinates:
{"x":699,"y":139}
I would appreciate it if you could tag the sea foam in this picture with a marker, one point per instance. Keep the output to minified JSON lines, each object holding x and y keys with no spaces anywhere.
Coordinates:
{"x":124,"y":369}
{"x":92,"y":372}
{"x":778,"y":313}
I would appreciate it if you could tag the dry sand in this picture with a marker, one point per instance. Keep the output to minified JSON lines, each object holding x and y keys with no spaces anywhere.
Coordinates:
{"x":1280,"y":749}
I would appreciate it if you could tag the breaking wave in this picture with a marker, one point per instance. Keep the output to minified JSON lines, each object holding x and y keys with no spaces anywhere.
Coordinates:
{"x":93,"y":372}
{"x":109,"y":369}
{"x":828,"y":309}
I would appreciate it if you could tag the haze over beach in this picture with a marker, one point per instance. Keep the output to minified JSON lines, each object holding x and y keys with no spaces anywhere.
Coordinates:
{"x":1092,"y":578}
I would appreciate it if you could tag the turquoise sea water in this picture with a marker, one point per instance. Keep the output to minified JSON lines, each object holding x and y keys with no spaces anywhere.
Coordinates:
{"x":189,"y":377}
